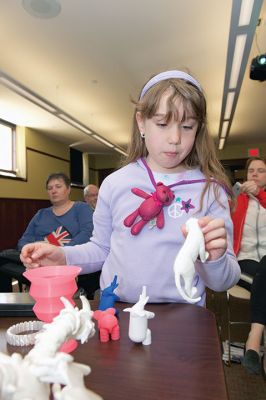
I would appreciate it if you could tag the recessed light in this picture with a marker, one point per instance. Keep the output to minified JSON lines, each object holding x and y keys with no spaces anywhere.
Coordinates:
{"x":42,"y":8}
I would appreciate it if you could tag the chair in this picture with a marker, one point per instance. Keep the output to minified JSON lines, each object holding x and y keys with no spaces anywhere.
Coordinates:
{"x":11,"y":268}
{"x":238,"y":297}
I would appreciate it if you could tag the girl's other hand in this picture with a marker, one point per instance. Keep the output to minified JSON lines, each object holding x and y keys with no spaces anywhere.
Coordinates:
{"x":215,"y":236}
{"x":34,"y":255}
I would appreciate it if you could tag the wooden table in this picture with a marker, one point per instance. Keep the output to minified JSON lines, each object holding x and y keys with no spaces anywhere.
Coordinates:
{"x":183,"y":362}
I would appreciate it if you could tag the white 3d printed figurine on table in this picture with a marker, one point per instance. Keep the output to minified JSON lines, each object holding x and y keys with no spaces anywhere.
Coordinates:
{"x":138,"y":323}
{"x":184,"y":265}
{"x":30,"y":377}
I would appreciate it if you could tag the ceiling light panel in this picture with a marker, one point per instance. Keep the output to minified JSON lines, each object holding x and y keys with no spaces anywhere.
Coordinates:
{"x":245,"y":12}
{"x":120,"y":151}
{"x":229,"y":105}
{"x":102,"y":140}
{"x":73,"y":122}
{"x":224,"y":129}
{"x":221,"y":144}
{"x":244,"y":18}
{"x":15,"y":87}
{"x":237,"y":60}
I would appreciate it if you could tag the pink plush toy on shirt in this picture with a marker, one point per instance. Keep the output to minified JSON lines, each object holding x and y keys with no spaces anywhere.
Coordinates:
{"x":107,"y":324}
{"x":150,"y":208}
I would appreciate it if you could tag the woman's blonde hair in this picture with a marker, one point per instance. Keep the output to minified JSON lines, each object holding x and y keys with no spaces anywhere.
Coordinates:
{"x":203,"y":153}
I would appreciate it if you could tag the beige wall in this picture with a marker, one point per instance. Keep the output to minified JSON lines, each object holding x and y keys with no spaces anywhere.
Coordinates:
{"x":38,"y":167}
{"x":40,"y":142}
{"x":45,"y":156}
{"x":240,"y":151}
{"x":101,"y":161}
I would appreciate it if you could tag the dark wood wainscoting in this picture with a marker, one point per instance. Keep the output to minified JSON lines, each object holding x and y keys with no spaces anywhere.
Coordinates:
{"x":15,"y":214}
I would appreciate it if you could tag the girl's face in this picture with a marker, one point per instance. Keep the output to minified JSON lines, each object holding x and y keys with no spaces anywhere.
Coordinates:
{"x":168,"y":143}
{"x":257,"y":173}
{"x":58,"y":192}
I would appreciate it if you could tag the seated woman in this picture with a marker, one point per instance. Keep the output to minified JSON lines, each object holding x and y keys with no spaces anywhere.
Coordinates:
{"x":249,"y":220}
{"x":65,"y":223}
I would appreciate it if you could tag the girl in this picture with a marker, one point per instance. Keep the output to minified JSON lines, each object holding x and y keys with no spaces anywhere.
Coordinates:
{"x":170,"y":144}
{"x":249,"y":220}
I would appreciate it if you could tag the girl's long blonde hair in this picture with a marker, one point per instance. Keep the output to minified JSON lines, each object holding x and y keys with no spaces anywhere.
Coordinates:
{"x":203,"y":154}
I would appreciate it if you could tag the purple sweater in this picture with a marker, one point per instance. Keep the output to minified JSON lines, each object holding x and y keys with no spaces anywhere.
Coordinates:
{"x":148,"y":258}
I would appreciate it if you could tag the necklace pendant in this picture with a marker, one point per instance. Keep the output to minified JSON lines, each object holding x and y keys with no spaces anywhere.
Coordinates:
{"x":151,"y":208}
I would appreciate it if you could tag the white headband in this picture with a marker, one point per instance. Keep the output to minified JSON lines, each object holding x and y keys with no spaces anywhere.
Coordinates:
{"x":169,"y":75}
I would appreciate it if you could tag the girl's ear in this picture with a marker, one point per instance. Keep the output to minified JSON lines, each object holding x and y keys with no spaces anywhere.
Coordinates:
{"x":140,"y":121}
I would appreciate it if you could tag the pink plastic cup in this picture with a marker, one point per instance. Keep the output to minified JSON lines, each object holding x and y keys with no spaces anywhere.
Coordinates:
{"x":48,"y":284}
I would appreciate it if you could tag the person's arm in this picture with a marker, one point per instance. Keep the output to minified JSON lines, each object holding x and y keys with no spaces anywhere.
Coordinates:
{"x":83,"y":214}
{"x":29,"y":236}
{"x":220,"y":273}
{"x":261,"y":196}
{"x":35,"y":255}
{"x":91,"y":256}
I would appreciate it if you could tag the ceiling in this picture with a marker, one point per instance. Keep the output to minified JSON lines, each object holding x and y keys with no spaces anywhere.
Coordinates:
{"x":91,"y":59}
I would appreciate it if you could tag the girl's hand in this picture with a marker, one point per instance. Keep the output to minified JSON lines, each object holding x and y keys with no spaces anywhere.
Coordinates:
{"x":34,"y":255}
{"x":215,"y":236}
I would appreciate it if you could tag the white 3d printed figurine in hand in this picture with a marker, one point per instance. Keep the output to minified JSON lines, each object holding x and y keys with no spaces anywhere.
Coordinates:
{"x":184,"y":265}
{"x":138,"y":323}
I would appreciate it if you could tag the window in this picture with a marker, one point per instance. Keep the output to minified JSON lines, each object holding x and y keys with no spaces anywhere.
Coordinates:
{"x":7,"y":149}
{"x":76,"y":167}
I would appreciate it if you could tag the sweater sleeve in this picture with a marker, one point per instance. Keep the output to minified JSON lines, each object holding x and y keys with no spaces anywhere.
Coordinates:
{"x":91,"y":256}
{"x":223,"y":273}
{"x":83,"y":214}
{"x":29,"y":236}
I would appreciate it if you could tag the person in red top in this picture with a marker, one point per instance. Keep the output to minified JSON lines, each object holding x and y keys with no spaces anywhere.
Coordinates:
{"x":249,"y":220}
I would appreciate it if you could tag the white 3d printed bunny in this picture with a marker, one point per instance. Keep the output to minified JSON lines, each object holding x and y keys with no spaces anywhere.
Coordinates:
{"x":138,"y":323}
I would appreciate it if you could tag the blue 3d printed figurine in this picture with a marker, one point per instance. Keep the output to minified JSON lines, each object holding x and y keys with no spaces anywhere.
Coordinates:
{"x":108,"y":297}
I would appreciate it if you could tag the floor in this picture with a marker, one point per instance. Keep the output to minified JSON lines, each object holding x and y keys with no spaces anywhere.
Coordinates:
{"x":240,"y":384}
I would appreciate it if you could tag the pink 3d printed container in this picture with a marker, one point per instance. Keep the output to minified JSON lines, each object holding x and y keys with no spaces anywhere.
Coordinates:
{"x":48,"y":284}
